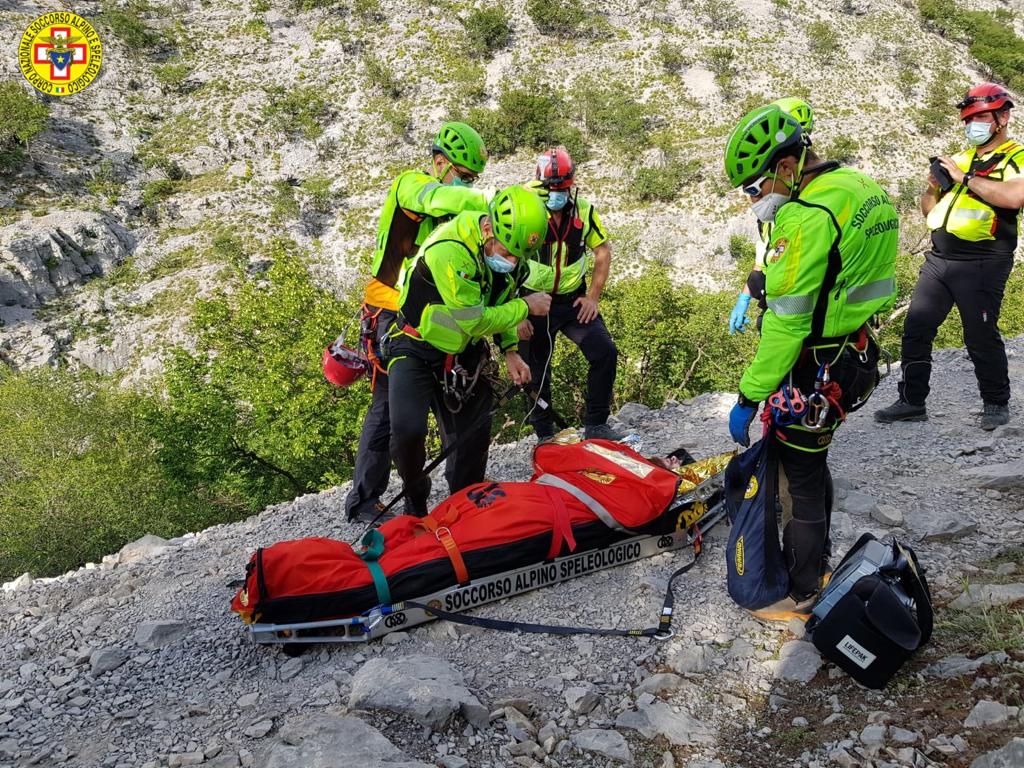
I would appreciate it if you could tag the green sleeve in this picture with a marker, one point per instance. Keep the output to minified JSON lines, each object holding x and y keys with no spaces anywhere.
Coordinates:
{"x":795,"y":269}
{"x":425,"y":195}
{"x":455,"y":275}
{"x":596,"y":233}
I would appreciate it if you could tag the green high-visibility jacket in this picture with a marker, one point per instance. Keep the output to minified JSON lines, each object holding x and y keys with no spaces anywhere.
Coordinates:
{"x":829,"y":268}
{"x":415,"y":205}
{"x":452,"y":298}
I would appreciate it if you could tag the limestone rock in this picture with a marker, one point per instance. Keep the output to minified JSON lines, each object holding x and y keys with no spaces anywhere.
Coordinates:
{"x":989,"y":713}
{"x":1010,"y":756}
{"x":1001,"y":477}
{"x":658,"y":719}
{"x":106,"y":660}
{"x":956,"y":665}
{"x":988,"y":595}
{"x":156,"y":634}
{"x":799,"y":661}
{"x":325,"y":740}
{"x":425,"y":688}
{"x":610,"y":744}
{"x":146,"y":546}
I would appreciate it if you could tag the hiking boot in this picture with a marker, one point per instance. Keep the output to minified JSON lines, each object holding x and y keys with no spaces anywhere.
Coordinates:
{"x":544,"y":432}
{"x":901,"y":410}
{"x":994,"y":415}
{"x":786,"y":609}
{"x":601,"y":432}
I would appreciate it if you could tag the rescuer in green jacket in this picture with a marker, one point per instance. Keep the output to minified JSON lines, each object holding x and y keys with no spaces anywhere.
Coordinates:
{"x":830,"y":266}
{"x":461,"y":287}
{"x":416,"y":204}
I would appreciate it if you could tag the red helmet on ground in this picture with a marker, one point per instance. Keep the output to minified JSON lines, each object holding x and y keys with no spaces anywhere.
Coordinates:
{"x":555,"y":169}
{"x":343,"y":366}
{"x":984,"y":97}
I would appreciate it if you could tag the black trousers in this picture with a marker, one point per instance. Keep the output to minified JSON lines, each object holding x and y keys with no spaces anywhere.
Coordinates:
{"x":976,"y":288}
{"x":415,"y":370}
{"x":373,"y":459}
{"x":597,"y":347}
{"x":805,"y":483}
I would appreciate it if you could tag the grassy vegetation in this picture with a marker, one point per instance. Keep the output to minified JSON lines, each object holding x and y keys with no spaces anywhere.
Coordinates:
{"x":126,"y":22}
{"x":22,"y":117}
{"x":299,"y":111}
{"x":990,"y":36}
{"x":487,"y":30}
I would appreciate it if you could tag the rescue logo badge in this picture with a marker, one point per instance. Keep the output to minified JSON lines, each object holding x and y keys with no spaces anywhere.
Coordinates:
{"x":60,"y":53}
{"x":780,"y":248}
{"x":738,"y":557}
{"x":751,"y":489}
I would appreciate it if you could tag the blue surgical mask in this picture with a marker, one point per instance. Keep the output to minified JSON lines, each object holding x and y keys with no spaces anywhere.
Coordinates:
{"x":498,"y":264}
{"x":557,"y":198}
{"x":978,"y":133}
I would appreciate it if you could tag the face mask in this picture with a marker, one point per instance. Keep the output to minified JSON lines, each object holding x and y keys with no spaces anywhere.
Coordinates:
{"x":557,"y":198}
{"x":766,"y":208}
{"x":458,"y":182}
{"x":978,"y":133}
{"x":498,"y":264}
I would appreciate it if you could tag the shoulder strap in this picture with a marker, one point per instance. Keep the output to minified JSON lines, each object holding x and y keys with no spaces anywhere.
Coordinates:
{"x":832,"y":270}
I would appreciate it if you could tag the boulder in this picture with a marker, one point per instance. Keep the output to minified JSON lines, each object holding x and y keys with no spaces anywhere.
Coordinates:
{"x":610,"y":744}
{"x":957,"y":665}
{"x":326,"y":740}
{"x":799,"y":661}
{"x":156,"y":634}
{"x":106,"y":660}
{"x":987,"y":713}
{"x":1001,"y":477}
{"x":988,"y":595}
{"x":1010,"y":756}
{"x":144,"y":547}
{"x":658,"y":719}
{"x":425,"y":688}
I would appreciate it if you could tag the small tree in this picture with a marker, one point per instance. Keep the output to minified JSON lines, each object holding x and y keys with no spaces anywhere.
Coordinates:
{"x":488,"y":30}
{"x":21,"y":117}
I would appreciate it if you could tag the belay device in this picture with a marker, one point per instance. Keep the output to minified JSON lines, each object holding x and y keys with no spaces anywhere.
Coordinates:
{"x":875,"y":612}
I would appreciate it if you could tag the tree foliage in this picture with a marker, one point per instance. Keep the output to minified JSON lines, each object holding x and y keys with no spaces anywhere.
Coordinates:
{"x":22,"y":117}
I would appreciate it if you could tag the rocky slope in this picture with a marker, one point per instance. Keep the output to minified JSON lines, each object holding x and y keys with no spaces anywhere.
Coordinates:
{"x":138,"y":662}
{"x":271,"y":117}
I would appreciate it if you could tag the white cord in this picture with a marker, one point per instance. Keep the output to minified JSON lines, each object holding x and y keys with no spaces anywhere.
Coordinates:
{"x":543,"y":376}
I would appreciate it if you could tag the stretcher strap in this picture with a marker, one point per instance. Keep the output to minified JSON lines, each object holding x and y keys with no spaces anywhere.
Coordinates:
{"x":561,"y":529}
{"x":373,"y":548}
{"x":586,"y":499}
{"x":444,"y":535}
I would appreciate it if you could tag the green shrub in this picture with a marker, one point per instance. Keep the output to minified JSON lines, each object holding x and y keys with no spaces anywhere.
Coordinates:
{"x":610,"y":113}
{"x":283,"y":205}
{"x":173,"y":75}
{"x":301,"y":110}
{"x":557,"y":17}
{"x":487,"y":29}
{"x":317,"y":190}
{"x":721,"y":61}
{"x":990,"y":37}
{"x":379,"y":74}
{"x":128,"y":25}
{"x":938,"y":115}
{"x":672,"y":57}
{"x":103,"y":183}
{"x":842,"y":148}
{"x":533,"y":116}
{"x":722,"y":15}
{"x":662,"y":184}
{"x":249,"y":415}
{"x":156,"y":191}
{"x":823,"y":41}
{"x":22,"y":117}
{"x":79,"y":475}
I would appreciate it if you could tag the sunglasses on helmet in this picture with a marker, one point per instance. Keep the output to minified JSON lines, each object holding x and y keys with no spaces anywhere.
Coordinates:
{"x":981,"y":99}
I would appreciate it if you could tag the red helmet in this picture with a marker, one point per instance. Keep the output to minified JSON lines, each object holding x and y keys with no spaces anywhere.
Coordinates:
{"x":555,"y":169}
{"x":984,"y":97}
{"x":343,"y":366}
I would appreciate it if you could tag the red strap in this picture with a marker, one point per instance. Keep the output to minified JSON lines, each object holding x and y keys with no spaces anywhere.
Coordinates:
{"x":561,"y":529}
{"x":444,"y":535}
{"x":411,"y":331}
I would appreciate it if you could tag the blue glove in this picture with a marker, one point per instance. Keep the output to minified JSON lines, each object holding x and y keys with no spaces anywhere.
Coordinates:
{"x":739,"y":423}
{"x":738,"y":318}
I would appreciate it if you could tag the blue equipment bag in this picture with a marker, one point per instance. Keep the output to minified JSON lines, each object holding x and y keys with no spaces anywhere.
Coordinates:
{"x":757,"y":571}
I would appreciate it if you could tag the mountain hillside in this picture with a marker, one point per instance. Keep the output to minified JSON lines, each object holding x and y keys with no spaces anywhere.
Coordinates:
{"x":137,"y":661}
{"x":268,"y":118}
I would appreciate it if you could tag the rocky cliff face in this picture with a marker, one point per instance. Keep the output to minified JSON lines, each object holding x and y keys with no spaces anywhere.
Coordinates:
{"x":290,"y":117}
{"x":137,"y":662}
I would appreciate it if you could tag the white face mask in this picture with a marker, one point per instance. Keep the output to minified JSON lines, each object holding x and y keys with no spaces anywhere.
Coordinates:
{"x":978,"y":133}
{"x":766,"y":208}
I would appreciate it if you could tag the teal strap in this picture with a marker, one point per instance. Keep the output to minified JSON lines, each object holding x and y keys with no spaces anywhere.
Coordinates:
{"x":373,"y":548}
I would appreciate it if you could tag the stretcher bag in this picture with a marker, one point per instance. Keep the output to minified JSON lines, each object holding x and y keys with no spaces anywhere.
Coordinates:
{"x":583,"y":496}
{"x":756,"y":569}
{"x":875,"y":612}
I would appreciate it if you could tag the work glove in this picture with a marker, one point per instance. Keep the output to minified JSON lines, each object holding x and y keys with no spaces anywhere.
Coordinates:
{"x":739,"y":422}
{"x":537,"y":187}
{"x":738,"y":318}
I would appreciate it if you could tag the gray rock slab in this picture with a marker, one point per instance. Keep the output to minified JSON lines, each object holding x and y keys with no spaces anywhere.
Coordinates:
{"x":106,"y":660}
{"x":857,"y":503}
{"x":799,"y":661}
{"x":156,"y":634}
{"x":1010,"y":756}
{"x":658,"y":719}
{"x":143,"y":547}
{"x":950,"y":530}
{"x":957,"y":665}
{"x":610,"y":744}
{"x":582,"y":699}
{"x":425,"y":688}
{"x":988,"y":596}
{"x":660,"y":683}
{"x":1001,"y":477}
{"x":325,"y":740}
{"x":987,"y":713}
{"x":690,"y":660}
{"x":888,"y":515}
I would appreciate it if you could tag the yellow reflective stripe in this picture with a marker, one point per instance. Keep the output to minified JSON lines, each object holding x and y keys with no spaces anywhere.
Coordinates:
{"x":878,"y":289}
{"x":797,"y":304}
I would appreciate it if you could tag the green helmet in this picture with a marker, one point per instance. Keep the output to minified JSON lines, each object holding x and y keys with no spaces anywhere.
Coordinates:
{"x":462,"y":146}
{"x":799,"y":109}
{"x":756,"y":139}
{"x":519,"y":220}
